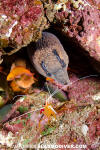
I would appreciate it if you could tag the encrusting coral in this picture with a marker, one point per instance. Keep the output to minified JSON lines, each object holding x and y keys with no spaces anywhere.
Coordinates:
{"x":20,"y":23}
{"x":80,"y":21}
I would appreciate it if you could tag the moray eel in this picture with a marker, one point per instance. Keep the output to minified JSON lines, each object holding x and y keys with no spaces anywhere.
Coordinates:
{"x":49,"y":58}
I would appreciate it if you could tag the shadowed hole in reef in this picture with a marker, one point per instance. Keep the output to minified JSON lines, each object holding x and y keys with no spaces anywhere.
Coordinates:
{"x":78,"y":62}
{"x":8,"y":49}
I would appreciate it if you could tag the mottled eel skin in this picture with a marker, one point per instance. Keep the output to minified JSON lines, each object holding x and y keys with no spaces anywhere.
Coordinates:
{"x":49,"y":58}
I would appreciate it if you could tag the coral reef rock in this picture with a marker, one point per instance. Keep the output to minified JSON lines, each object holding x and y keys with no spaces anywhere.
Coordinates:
{"x":85,"y":90}
{"x":80,"y":21}
{"x":20,"y":23}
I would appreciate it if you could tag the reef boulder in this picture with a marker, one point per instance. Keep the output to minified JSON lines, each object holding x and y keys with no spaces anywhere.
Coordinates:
{"x":20,"y":23}
{"x":84,"y":90}
{"x":80,"y":21}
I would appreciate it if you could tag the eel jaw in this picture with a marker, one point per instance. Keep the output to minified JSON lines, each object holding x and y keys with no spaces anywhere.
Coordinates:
{"x":61,"y":76}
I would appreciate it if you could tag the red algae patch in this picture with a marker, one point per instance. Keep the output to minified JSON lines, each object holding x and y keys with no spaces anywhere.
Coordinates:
{"x":85,"y":91}
{"x":80,"y":21}
{"x":20,"y":23}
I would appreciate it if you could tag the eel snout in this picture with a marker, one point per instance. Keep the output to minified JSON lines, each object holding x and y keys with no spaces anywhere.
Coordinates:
{"x":61,"y":76}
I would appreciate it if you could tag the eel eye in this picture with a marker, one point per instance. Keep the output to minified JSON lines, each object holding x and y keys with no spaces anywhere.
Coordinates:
{"x":45,"y":69}
{"x":59,"y":59}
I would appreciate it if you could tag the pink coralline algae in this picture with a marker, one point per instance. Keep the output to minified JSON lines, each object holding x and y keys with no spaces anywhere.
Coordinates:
{"x":85,"y":91}
{"x":80,"y":21}
{"x":21,"y":21}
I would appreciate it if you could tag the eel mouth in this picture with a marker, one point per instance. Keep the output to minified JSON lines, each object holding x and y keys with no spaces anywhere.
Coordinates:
{"x":61,"y":77}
